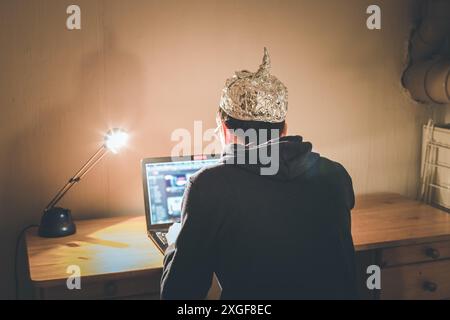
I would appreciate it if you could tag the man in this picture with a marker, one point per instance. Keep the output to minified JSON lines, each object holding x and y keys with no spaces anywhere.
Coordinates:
{"x":278,"y":234}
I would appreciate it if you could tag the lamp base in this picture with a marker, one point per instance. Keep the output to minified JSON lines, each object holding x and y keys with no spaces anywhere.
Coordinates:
{"x":56,"y":223}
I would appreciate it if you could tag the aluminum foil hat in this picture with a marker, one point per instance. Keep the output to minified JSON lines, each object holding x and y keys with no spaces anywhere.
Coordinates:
{"x":257,"y":96}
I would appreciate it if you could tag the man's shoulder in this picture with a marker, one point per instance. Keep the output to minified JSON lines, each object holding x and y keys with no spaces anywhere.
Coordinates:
{"x":207,"y":174}
{"x":335,"y":175}
{"x":328,"y":166}
{"x":328,"y":170}
{"x":211,"y":182}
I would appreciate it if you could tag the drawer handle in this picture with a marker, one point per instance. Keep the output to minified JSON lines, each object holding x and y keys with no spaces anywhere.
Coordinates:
{"x":433,"y":253}
{"x":430,"y":286}
{"x":110,"y":288}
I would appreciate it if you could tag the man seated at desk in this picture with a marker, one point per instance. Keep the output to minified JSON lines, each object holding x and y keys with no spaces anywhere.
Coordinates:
{"x":277,"y":229}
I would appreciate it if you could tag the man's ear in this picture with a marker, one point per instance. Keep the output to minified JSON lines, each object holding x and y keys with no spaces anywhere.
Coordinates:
{"x":285,"y":130}
{"x":226,"y":133}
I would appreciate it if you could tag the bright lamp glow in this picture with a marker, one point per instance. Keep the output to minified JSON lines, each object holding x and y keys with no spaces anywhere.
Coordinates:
{"x":115,"y":140}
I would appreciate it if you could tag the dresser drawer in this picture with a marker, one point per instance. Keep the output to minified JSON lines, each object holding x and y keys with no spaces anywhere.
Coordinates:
{"x":429,"y":280}
{"x":107,"y":287}
{"x":416,"y":253}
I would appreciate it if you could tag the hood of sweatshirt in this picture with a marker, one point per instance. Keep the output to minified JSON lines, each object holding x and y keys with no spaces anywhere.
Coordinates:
{"x":283,"y":159}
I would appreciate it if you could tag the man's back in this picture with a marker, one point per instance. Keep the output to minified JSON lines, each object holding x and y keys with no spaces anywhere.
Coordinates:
{"x":285,"y":236}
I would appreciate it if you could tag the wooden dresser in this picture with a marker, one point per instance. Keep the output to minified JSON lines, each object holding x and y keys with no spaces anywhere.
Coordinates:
{"x":408,"y":240}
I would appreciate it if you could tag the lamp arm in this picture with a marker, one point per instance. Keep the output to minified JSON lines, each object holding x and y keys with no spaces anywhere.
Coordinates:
{"x":93,"y":160}
{"x":87,"y":163}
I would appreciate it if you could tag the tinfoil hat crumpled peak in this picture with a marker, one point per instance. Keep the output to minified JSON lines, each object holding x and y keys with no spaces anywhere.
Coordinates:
{"x":257,"y":96}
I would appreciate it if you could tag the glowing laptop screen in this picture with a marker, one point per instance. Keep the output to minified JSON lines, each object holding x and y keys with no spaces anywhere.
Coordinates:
{"x":166,"y":182}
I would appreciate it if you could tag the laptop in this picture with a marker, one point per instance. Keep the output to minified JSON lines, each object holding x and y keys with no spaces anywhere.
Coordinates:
{"x":164,"y":182}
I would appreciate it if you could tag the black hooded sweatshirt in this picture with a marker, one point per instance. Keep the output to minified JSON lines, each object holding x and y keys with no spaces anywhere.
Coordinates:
{"x":282,"y":236}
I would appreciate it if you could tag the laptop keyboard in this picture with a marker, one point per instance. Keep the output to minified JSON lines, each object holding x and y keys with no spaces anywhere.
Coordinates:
{"x":162,"y":237}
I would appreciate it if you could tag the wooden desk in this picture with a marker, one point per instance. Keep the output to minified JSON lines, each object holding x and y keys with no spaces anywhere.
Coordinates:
{"x":115,"y":257}
{"x":117,"y":260}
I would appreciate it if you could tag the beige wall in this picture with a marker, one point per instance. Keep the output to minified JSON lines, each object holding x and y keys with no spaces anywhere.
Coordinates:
{"x":446,"y":111}
{"x":154,"y":66}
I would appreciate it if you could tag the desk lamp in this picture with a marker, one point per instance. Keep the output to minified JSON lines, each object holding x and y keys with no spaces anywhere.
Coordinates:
{"x":57,"y":222}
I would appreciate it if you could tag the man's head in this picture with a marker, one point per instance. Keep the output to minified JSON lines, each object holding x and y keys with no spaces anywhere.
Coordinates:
{"x":248,"y":132}
{"x":253,"y":103}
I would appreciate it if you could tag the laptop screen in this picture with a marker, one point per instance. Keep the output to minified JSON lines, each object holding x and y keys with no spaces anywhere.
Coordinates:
{"x":166,"y":182}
